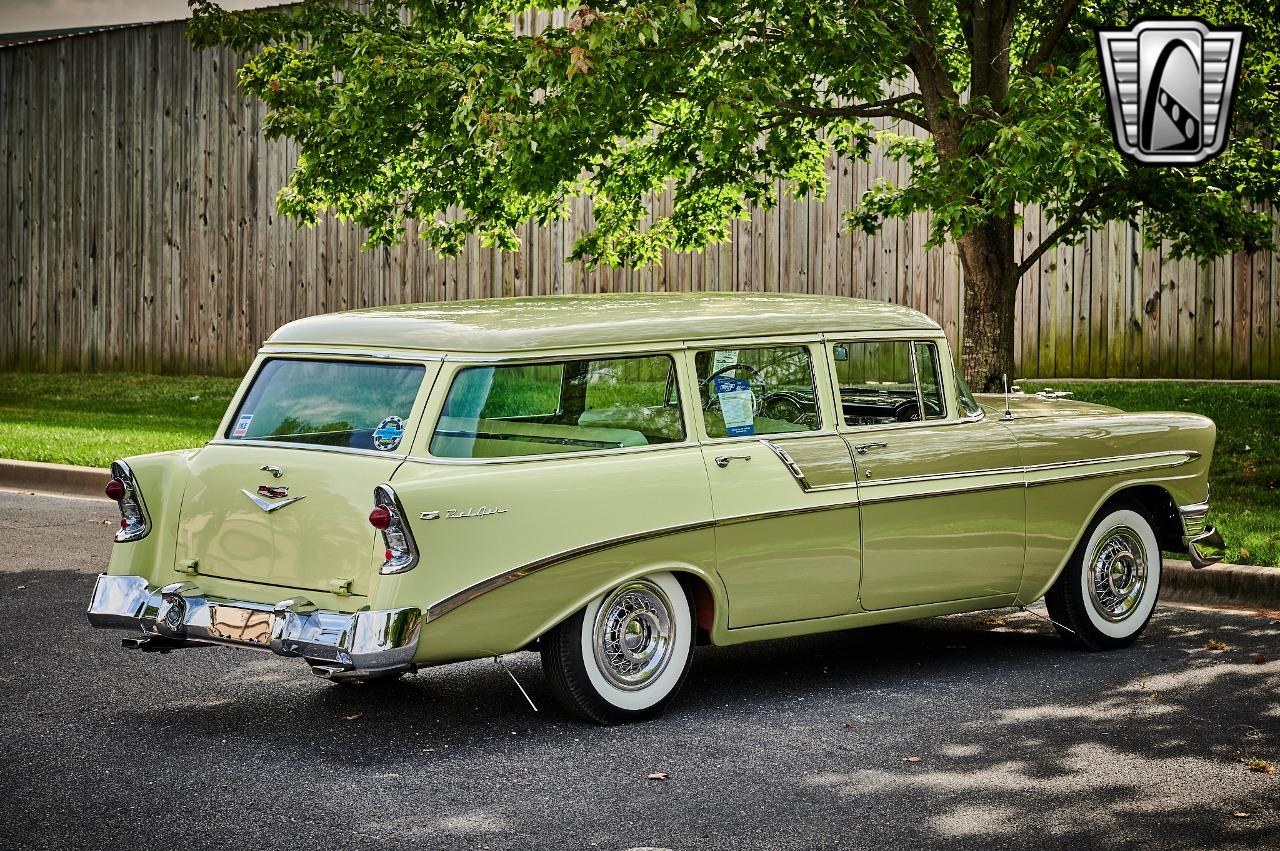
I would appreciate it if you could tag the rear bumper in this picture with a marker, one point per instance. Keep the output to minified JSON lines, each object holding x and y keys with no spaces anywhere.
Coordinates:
{"x":335,"y":644}
{"x":1197,"y":533}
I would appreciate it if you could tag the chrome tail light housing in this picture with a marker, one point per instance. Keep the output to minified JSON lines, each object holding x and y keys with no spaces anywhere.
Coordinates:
{"x":389,"y":518}
{"x":123,"y":488}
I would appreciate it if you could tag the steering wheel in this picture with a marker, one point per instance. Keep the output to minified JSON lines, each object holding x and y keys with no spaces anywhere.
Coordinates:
{"x":787,"y":407}
{"x":907,"y":412}
{"x":712,"y":399}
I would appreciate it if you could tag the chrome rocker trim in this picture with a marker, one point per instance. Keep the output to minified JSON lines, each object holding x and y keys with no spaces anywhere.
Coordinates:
{"x":1196,"y":532}
{"x":337,"y":645}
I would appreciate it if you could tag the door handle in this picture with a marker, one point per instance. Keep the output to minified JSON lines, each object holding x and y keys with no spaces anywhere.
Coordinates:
{"x":862,"y":448}
{"x":722,"y":461}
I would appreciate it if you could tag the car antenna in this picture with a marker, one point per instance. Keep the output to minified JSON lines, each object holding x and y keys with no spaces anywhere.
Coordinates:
{"x":1008,"y":414}
{"x":501,"y":663}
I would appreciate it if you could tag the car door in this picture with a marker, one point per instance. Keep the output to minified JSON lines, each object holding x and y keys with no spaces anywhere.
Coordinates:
{"x":942,"y":492}
{"x":782,"y":481}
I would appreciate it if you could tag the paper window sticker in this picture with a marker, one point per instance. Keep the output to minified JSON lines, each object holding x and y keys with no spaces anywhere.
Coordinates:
{"x":242,"y":425}
{"x":737,"y":406}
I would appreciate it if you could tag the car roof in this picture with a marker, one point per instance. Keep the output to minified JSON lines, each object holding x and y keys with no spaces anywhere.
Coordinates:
{"x":570,"y":321}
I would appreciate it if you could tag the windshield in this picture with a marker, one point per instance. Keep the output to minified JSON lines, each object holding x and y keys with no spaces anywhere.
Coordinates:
{"x":334,"y":403}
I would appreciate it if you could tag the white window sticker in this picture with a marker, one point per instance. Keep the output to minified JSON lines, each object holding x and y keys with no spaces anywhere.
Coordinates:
{"x":242,"y":425}
{"x":722,"y":359}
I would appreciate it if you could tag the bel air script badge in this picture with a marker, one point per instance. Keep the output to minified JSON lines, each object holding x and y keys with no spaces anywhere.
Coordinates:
{"x":454,"y":513}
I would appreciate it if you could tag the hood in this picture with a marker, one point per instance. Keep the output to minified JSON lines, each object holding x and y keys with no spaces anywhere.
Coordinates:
{"x":1026,"y":405}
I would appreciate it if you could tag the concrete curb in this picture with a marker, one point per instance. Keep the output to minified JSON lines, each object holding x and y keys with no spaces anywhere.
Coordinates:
{"x":53,"y":478}
{"x":1221,"y":585}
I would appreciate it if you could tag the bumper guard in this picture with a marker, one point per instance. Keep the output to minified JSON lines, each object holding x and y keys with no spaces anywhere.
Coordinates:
{"x":1197,"y":532}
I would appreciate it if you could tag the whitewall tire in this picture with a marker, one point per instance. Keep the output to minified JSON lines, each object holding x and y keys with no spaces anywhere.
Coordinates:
{"x":1107,"y":593}
{"x":624,"y":656}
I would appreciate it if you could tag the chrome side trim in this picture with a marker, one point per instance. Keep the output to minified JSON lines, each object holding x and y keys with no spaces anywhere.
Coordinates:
{"x":549,"y":456}
{"x":790,"y":464}
{"x":442,"y":607}
{"x":868,"y":496}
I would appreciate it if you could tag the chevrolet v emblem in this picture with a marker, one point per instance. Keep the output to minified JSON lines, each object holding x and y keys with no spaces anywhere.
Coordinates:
{"x":271,"y":506}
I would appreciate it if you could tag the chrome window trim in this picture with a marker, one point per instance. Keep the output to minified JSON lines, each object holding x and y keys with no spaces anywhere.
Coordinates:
{"x":315,"y":447}
{"x":552,"y":456}
{"x":329,"y":352}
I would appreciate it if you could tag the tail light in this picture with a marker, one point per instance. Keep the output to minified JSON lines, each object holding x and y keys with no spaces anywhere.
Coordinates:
{"x":123,"y":488}
{"x":388,"y":517}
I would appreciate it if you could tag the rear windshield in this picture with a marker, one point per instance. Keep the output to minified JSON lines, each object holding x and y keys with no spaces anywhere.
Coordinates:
{"x":331,"y":403}
{"x":569,"y":406}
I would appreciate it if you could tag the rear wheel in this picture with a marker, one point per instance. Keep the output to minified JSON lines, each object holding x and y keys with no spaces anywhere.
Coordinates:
{"x":1106,"y":594}
{"x":624,"y":656}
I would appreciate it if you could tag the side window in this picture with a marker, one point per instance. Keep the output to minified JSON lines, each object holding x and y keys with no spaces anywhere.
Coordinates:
{"x":878,"y":383}
{"x":757,"y":391}
{"x":568,"y":406}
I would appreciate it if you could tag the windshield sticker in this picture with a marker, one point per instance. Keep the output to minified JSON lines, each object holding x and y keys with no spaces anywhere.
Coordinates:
{"x":242,"y":426}
{"x":737,"y":405}
{"x":723,"y":358}
{"x":388,"y":434}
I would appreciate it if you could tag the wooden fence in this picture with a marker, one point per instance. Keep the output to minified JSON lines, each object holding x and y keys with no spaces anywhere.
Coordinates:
{"x":138,"y":232}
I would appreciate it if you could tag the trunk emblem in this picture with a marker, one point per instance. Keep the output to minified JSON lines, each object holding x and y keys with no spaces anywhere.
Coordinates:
{"x":272,"y":491}
{"x":271,"y":506}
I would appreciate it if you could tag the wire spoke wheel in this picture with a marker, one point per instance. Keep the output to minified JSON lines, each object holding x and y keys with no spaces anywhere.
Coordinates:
{"x":1118,"y":574}
{"x":634,"y":634}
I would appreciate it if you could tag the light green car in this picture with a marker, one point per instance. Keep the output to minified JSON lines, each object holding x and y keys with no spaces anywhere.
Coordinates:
{"x":611,"y":480}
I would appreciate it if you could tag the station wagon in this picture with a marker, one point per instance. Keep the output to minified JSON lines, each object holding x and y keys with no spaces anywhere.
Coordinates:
{"x":614,"y":480}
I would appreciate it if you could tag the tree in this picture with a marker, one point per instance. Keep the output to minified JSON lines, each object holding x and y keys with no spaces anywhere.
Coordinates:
{"x":403,"y":110}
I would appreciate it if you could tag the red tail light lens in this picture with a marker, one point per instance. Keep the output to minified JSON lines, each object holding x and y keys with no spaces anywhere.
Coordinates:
{"x":116,"y":490}
{"x":123,"y":488}
{"x":388,"y":516}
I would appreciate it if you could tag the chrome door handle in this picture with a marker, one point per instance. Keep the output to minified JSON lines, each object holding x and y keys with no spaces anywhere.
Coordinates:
{"x":862,"y":448}
{"x":722,"y":461}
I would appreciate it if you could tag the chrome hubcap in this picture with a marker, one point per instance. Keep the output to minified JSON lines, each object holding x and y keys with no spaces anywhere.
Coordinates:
{"x":634,"y":634}
{"x":1118,"y":574}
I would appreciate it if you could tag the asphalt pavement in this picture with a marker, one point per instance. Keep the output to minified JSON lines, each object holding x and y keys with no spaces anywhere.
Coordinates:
{"x":974,"y":731}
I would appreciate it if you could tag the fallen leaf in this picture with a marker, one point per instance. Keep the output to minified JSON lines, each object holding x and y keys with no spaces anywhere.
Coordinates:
{"x":659,"y":775}
{"x":848,"y":725}
{"x":1259,"y":659}
{"x":1215,"y":644}
{"x":352,"y":717}
{"x":911,"y":759}
{"x":1260,"y":765}
{"x":1239,"y":814}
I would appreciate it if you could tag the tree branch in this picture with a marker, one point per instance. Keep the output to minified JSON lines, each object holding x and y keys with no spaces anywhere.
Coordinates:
{"x":1051,"y":38}
{"x":887,"y":108}
{"x":1090,"y":202}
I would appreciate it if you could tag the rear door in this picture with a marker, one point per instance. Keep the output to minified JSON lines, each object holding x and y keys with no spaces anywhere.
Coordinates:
{"x":782,"y":483}
{"x":282,"y":496}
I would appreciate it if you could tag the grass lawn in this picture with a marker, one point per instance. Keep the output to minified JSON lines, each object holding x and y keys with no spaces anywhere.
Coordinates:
{"x":94,"y":419}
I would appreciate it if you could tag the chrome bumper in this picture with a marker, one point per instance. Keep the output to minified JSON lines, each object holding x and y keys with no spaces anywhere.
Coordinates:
{"x":335,"y":644}
{"x":1197,"y":532}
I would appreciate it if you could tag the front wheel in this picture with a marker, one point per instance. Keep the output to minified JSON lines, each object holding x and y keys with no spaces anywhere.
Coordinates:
{"x":1107,"y":592}
{"x":624,"y":656}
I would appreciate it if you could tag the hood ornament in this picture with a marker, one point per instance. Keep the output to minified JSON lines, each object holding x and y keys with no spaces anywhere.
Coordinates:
{"x":275,"y":493}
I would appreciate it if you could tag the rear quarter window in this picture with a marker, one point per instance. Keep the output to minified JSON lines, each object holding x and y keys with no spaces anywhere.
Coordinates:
{"x":560,"y":407}
{"x":330,"y":403}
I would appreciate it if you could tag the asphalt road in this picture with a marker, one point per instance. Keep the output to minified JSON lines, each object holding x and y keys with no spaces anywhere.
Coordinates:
{"x":807,"y":743}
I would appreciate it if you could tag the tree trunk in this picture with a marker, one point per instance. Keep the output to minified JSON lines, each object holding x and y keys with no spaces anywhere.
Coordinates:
{"x":990,"y":293}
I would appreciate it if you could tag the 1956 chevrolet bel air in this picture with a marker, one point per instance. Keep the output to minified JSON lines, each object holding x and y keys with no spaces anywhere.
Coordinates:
{"x":611,"y":480}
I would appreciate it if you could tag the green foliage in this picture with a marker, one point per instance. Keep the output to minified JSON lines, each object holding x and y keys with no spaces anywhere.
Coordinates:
{"x":408,"y":110}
